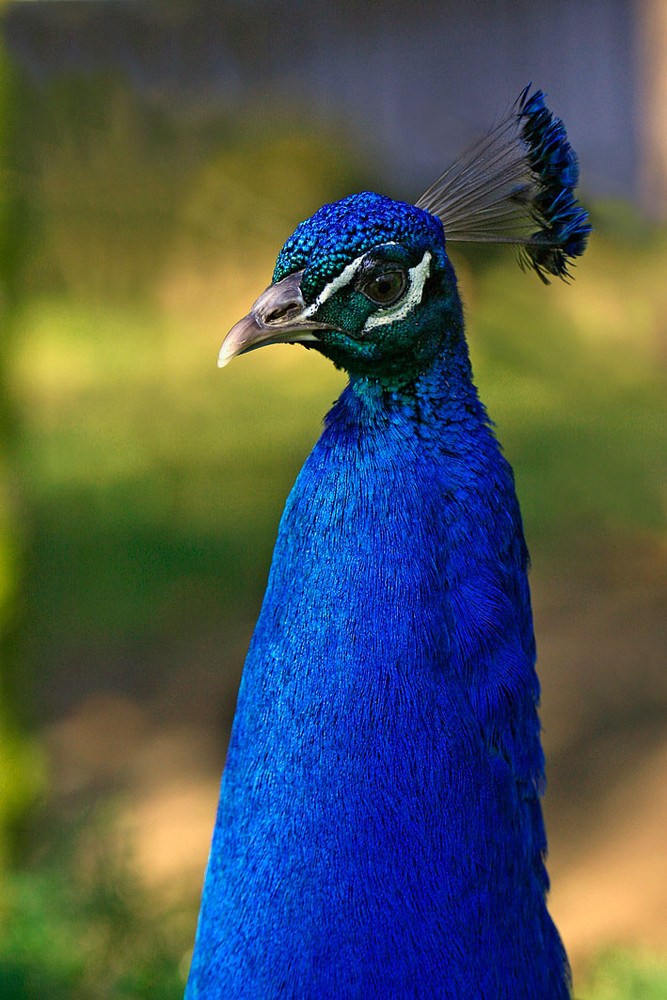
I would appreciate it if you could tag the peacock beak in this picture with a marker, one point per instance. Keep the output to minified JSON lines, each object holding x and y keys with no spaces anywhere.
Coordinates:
{"x":277,"y":317}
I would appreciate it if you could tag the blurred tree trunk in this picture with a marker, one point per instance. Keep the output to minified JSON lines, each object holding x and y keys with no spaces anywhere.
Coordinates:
{"x":19,"y":760}
{"x":652,"y":16}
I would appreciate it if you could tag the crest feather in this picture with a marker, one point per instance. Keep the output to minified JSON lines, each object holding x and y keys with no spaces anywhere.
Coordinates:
{"x":516,"y":185}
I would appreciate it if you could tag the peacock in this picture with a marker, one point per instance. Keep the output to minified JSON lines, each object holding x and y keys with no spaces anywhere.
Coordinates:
{"x":379,"y":832}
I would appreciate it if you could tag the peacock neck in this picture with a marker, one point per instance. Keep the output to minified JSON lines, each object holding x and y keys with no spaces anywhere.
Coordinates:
{"x":404,"y":532}
{"x":414,"y":470}
{"x":389,"y":689}
{"x":439,"y":394}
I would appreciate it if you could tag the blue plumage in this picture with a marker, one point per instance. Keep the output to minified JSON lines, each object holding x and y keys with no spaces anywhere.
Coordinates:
{"x":379,"y":833}
{"x":562,"y":222}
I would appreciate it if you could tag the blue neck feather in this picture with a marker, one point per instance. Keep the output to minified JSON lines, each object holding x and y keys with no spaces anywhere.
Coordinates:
{"x":395,"y":696}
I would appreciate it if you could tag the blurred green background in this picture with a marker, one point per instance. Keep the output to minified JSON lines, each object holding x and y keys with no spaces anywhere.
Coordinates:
{"x":140,"y":491}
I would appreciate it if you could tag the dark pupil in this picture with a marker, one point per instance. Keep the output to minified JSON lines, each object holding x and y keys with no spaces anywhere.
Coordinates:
{"x":385,"y":288}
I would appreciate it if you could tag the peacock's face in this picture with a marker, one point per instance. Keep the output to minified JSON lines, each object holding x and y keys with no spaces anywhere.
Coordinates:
{"x":367,"y":282}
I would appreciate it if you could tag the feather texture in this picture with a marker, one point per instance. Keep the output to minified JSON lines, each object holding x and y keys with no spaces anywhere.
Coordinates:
{"x":516,"y":185}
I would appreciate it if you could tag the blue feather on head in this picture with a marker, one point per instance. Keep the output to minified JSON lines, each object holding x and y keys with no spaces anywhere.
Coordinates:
{"x":339,"y":232}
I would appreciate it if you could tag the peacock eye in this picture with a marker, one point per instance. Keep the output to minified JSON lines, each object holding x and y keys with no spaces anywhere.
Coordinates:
{"x":386,"y":288}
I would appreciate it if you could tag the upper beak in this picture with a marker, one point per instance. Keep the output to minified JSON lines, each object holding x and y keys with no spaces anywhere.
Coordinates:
{"x":277,"y":317}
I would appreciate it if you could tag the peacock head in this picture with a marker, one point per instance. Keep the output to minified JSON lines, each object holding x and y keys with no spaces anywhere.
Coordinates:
{"x":367,"y":280}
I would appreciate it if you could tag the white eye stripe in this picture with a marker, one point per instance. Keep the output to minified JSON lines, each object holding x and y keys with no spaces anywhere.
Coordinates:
{"x":344,"y":278}
{"x":417,"y":279}
{"x":417,"y":276}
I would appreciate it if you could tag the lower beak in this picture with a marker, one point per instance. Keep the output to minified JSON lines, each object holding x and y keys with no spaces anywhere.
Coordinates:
{"x":277,"y":317}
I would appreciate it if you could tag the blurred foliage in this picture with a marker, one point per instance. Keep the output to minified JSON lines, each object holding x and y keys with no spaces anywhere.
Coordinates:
{"x":155,"y":483}
{"x":573,"y":375}
{"x":121,"y":185}
{"x":80,"y":926}
{"x":621,"y":975}
{"x":20,"y":775}
{"x":153,"y":227}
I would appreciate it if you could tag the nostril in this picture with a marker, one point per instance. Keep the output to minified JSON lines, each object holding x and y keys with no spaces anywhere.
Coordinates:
{"x":282,"y":313}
